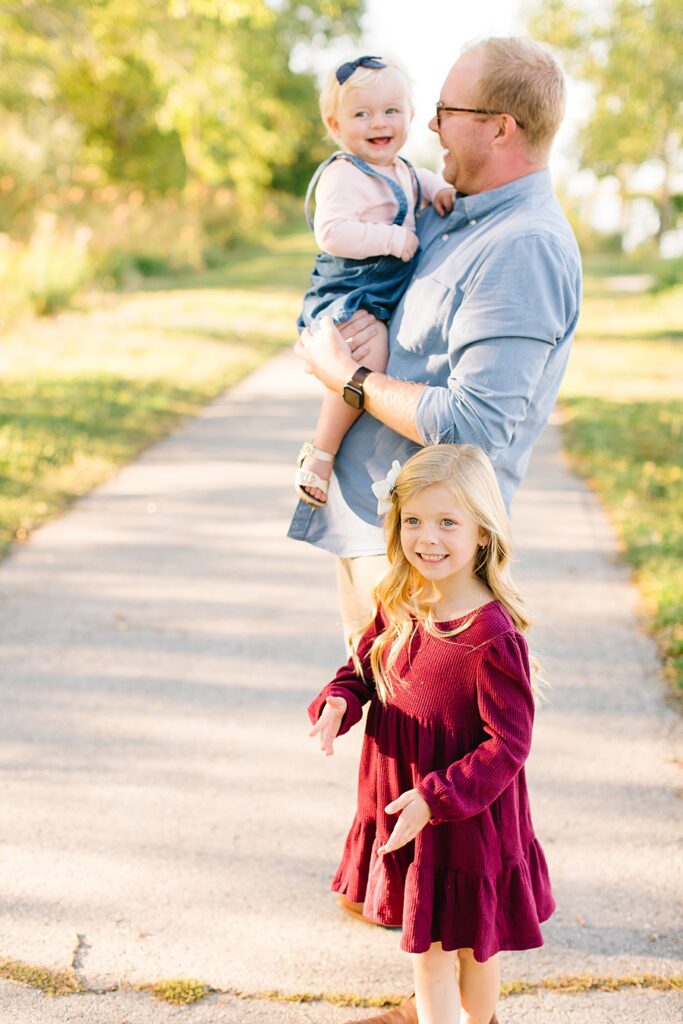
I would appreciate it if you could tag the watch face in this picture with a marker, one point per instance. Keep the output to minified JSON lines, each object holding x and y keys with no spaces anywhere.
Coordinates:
{"x":353,"y":396}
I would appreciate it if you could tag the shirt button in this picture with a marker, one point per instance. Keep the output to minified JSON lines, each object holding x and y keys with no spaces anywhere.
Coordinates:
{"x":444,"y":238}
{"x":473,"y":222}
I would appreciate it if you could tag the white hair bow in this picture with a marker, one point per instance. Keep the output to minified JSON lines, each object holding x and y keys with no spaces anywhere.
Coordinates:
{"x":383,"y":489}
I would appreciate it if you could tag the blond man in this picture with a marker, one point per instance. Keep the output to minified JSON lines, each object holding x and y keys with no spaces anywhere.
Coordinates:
{"x":479,"y":343}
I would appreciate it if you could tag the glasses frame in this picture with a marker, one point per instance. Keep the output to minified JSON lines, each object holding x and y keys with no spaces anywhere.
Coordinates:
{"x":441,"y":108}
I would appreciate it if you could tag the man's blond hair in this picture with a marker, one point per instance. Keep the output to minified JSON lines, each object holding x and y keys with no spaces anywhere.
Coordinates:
{"x":522,"y":78}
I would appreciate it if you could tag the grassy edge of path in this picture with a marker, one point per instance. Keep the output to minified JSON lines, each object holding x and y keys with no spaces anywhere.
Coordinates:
{"x":622,"y":427}
{"x":84,"y":392}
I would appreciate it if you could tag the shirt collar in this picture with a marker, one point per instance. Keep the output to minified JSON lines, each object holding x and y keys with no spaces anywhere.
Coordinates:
{"x":536,"y":184}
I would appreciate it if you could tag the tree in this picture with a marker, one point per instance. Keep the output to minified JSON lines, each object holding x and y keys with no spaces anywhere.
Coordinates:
{"x":163,"y":94}
{"x":629,"y":51}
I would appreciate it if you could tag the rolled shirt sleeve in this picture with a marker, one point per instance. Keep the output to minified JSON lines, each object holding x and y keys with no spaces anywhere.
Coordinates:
{"x":516,"y":307}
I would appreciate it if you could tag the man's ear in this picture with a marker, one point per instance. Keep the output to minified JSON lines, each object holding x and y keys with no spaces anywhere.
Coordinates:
{"x":506,"y":127}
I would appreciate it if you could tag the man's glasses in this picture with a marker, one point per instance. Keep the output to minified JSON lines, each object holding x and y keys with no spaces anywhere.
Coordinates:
{"x":441,"y":108}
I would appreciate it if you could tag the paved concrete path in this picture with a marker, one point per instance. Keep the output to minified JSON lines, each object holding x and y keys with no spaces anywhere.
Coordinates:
{"x":164,"y":812}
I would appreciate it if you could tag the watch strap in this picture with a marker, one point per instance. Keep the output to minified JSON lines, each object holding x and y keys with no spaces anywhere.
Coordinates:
{"x":359,"y":376}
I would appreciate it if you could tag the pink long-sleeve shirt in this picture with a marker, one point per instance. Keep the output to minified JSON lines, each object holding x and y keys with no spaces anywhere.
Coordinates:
{"x":354,"y":211}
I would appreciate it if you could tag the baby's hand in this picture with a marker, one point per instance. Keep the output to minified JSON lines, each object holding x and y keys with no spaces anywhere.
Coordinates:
{"x":415,"y":815}
{"x":444,"y":201}
{"x":410,"y":247}
{"x":329,"y":722}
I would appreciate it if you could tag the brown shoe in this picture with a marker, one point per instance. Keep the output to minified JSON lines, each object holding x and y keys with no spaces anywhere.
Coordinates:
{"x":355,"y":910}
{"x":406,"y":1013}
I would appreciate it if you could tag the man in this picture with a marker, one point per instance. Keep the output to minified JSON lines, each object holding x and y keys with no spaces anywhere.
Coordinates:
{"x":480,"y":341}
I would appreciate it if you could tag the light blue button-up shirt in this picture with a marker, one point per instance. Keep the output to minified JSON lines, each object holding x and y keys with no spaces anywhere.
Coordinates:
{"x":487,"y":323}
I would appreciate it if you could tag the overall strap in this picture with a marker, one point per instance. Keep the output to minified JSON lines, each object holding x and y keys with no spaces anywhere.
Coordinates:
{"x":416,"y":181}
{"x":311,"y":187}
{"x":398,"y":193}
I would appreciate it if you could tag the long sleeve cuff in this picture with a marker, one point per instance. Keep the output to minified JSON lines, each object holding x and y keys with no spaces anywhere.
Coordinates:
{"x":354,"y":708}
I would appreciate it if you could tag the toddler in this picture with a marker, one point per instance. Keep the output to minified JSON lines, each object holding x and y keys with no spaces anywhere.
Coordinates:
{"x":367,"y":198}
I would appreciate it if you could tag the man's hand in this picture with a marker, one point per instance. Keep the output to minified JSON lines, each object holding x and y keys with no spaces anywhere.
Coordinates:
{"x":362,"y":329}
{"x":444,"y":201}
{"x":327,"y":355}
{"x":411,"y":246}
{"x":329,"y":722}
{"x":415,"y":815}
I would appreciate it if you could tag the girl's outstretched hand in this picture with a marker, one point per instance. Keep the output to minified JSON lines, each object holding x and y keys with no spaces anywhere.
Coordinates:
{"x":329,"y":722}
{"x":415,"y":815}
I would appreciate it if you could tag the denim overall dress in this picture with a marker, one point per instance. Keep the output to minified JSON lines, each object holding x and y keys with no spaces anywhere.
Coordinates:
{"x":340,"y":286}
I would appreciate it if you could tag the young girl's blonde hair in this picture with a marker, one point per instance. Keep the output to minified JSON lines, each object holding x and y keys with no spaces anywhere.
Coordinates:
{"x":407,"y":599}
{"x":331,"y":92}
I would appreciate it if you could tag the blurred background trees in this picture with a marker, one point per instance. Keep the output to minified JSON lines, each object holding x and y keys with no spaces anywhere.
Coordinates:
{"x":142,"y":136}
{"x":629,"y":52}
{"x":186,"y":111}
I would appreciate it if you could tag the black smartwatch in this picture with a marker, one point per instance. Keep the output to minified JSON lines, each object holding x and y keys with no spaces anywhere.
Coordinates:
{"x":354,"y":394}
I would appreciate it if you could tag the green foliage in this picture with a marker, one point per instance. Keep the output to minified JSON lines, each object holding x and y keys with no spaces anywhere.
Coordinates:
{"x":633,"y":452}
{"x":629,"y":51}
{"x":667,"y":274}
{"x":165,"y":95}
{"x":50,"y":982}
{"x":623,"y":428}
{"x":81,"y":394}
{"x":180,"y":991}
{"x":120,"y":135}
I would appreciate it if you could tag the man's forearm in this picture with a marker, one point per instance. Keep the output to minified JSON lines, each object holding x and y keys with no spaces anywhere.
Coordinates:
{"x":394,"y":403}
{"x":328,"y":356}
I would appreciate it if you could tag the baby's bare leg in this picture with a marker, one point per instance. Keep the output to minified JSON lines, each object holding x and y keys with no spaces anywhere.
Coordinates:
{"x":337,"y":417}
{"x":479,"y":987}
{"x":436,"y":986}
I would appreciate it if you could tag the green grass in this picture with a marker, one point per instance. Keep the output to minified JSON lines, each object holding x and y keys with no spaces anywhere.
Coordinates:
{"x":51,"y":982}
{"x":82,"y":393}
{"x":178,"y":991}
{"x":623,"y":404}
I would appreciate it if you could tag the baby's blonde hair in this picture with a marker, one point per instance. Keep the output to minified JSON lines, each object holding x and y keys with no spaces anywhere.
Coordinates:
{"x":406,"y":598}
{"x":331,"y":92}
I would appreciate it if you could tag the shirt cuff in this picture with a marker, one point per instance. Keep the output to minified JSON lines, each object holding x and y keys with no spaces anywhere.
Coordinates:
{"x":432,"y":416}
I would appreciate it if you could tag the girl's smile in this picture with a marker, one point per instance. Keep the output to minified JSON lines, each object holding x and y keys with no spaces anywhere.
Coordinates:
{"x":442,"y":540}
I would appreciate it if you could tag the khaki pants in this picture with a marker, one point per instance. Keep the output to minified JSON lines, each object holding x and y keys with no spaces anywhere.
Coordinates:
{"x":356,"y":578}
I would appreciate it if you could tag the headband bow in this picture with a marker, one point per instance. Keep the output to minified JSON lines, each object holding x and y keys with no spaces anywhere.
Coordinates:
{"x":344,"y":71}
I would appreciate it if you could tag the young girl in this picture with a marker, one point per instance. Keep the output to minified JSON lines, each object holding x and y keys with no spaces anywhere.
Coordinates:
{"x":366,"y":201}
{"x":442,"y":843}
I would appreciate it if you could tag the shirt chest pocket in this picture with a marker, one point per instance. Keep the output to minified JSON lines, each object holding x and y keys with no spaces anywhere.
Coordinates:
{"x":423,"y":317}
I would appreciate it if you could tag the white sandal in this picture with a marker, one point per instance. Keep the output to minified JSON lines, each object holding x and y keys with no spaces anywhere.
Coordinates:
{"x":307,"y":478}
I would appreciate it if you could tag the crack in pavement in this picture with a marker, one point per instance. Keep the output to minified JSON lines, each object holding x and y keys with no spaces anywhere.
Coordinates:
{"x":80,"y":952}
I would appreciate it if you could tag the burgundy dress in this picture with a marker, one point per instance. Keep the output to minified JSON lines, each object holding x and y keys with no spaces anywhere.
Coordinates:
{"x":458,"y":729}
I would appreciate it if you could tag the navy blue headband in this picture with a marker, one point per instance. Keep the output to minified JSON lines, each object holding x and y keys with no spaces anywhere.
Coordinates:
{"x":344,"y":71}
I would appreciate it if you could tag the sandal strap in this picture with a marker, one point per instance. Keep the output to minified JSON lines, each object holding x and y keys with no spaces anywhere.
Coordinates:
{"x":308,"y":449}
{"x":306,"y":478}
